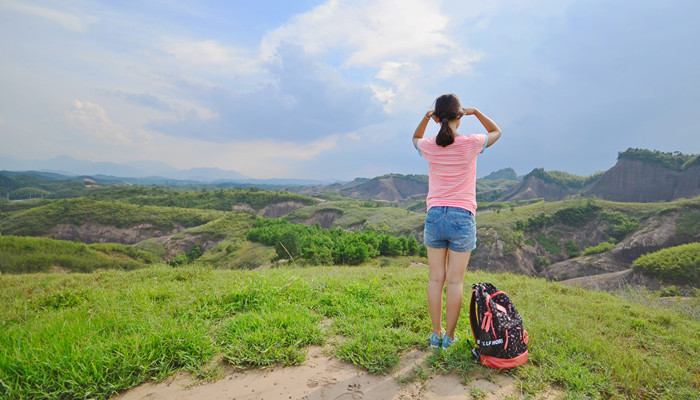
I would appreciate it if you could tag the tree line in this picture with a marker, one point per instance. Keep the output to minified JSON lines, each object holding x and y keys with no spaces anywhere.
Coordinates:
{"x":317,"y":246}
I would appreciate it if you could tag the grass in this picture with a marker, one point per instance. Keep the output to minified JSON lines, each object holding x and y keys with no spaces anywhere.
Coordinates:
{"x":94,"y":335}
{"x":353,"y":214}
{"x":29,"y":254}
{"x":40,"y":220}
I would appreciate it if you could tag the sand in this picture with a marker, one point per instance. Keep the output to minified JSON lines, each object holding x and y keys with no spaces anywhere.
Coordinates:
{"x":322,"y":377}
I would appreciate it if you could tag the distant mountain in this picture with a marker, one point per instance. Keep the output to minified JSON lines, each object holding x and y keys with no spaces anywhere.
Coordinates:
{"x":406,"y":189}
{"x":639,"y":175}
{"x":645,"y":176}
{"x":69,"y":166}
{"x":505,"y":173}
{"x":391,"y":187}
{"x":549,"y":185}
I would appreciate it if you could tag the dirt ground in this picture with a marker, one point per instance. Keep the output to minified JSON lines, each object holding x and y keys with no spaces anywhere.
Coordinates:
{"x":325,"y":378}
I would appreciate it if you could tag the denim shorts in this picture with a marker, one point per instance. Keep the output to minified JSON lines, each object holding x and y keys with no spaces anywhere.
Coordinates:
{"x":450,"y":227}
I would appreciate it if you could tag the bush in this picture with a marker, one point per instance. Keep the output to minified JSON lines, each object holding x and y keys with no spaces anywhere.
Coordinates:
{"x":542,"y":263}
{"x":575,"y":216}
{"x":550,"y":243}
{"x":572,"y":248}
{"x":600,"y":248}
{"x":679,"y":264}
{"x":318,"y":246}
{"x":620,"y":224}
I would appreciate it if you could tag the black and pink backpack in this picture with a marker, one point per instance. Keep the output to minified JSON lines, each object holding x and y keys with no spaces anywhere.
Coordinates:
{"x":500,"y":337}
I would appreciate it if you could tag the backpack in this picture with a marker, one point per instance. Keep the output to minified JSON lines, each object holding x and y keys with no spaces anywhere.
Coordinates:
{"x":500,"y":337}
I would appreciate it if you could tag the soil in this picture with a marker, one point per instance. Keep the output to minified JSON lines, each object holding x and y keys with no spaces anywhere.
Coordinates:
{"x":321,"y":377}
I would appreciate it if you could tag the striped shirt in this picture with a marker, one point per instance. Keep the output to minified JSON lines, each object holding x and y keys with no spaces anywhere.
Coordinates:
{"x":452,"y":179}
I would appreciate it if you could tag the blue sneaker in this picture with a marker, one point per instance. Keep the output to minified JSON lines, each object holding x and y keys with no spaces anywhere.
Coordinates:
{"x":447,"y":342}
{"x":434,"y":340}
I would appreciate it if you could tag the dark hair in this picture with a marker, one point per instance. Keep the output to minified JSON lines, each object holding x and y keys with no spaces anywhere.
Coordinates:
{"x":447,"y":108}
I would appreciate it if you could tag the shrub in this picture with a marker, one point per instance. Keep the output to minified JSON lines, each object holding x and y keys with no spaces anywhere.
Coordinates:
{"x":620,"y":224}
{"x":679,"y":264}
{"x":317,"y":246}
{"x":600,"y":248}
{"x":542,"y":263}
{"x":549,"y":243}
{"x":572,"y":248}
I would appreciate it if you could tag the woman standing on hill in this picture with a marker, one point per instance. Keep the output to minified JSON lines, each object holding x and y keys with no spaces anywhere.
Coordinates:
{"x":450,"y":227}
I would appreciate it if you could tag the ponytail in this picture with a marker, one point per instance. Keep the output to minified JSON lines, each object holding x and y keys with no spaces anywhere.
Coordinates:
{"x":447,"y":108}
{"x":446,"y":136}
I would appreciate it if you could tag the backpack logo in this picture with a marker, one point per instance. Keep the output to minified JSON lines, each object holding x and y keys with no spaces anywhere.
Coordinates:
{"x":499,"y":334}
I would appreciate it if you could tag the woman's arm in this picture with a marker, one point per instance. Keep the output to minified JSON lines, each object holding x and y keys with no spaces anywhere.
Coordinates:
{"x":494,"y":133}
{"x":420,"y":129}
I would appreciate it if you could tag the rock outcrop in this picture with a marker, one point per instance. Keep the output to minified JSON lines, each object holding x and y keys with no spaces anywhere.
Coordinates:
{"x":639,"y":176}
{"x":280,"y":209}
{"x":393,"y":188}
{"x":534,"y":187}
{"x":613,"y":269}
{"x":643,"y":182}
{"x":608,"y":270}
{"x":92,"y":232}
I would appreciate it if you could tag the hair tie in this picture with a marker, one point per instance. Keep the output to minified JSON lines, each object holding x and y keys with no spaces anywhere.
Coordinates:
{"x":444,"y":120}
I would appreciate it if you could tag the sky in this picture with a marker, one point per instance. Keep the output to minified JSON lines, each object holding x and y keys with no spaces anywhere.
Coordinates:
{"x":334,"y":89}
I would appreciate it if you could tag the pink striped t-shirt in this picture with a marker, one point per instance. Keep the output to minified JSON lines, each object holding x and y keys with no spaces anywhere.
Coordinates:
{"x":452,"y":179}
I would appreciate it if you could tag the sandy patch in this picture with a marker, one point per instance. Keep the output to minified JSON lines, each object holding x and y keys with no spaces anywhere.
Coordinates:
{"x":325,"y":378}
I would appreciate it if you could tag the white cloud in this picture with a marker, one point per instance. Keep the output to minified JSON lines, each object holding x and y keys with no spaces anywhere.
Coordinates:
{"x":68,"y":21}
{"x":98,"y":138}
{"x":398,"y":47}
{"x":257,"y":158}
{"x":372,"y":31}
{"x":93,"y":120}
{"x":211,"y":53}
{"x":462,"y":63}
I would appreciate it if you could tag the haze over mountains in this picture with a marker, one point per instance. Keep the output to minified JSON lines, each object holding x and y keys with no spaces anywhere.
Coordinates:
{"x":638,"y":176}
{"x":150,"y":172}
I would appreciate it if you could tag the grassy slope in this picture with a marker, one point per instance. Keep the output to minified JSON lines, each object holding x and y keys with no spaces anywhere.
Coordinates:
{"x":39,"y":220}
{"x":222,"y":199}
{"x":28,"y":254}
{"x":505,"y":219}
{"x":354,"y":214}
{"x":148,"y":323}
{"x":233,"y":249}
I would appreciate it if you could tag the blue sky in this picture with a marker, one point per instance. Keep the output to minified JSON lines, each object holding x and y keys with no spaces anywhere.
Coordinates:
{"x":334,"y":89}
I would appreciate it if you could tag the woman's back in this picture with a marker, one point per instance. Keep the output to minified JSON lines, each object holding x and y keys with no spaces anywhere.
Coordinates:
{"x":452,"y":179}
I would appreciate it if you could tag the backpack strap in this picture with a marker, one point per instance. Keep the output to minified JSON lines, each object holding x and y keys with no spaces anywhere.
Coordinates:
{"x":473,"y":314}
{"x":473,"y":320}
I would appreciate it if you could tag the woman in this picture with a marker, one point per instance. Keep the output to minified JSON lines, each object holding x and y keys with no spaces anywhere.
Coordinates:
{"x":450,"y":227}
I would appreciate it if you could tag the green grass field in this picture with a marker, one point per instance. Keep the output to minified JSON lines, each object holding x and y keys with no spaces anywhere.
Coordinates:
{"x":82,"y":336}
{"x":28,"y":254}
{"x":357,"y":214}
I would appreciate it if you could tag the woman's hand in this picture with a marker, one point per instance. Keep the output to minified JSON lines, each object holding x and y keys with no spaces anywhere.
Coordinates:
{"x":469,"y":111}
{"x":429,"y":114}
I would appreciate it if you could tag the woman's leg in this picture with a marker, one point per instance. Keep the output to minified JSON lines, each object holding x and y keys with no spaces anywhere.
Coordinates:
{"x":456,"y":266}
{"x":437,"y":262}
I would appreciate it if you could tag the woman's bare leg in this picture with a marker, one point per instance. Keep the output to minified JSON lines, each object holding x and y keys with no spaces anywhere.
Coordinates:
{"x":437,"y":263}
{"x":456,"y":267}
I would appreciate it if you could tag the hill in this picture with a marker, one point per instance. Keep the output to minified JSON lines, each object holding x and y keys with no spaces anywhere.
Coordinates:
{"x":646,"y":176}
{"x":391,"y":188}
{"x":579,"y":238}
{"x":638,"y":176}
{"x":96,"y":335}
{"x":549,"y":185}
{"x":28,"y":255}
{"x":505,"y":173}
{"x":403,"y":190}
